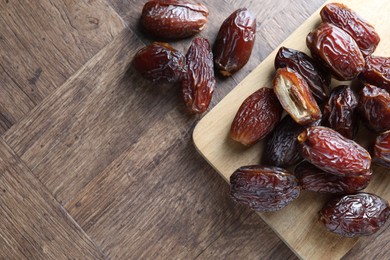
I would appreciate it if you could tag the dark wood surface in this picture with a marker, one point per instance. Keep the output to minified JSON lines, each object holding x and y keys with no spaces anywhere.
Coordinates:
{"x":96,"y":162}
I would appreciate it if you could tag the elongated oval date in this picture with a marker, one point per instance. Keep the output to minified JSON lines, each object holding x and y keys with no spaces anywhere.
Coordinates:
{"x":315,"y":75}
{"x":234,"y":43}
{"x":377,"y":72}
{"x":374,"y":108}
{"x":281,"y":147}
{"x":332,"y":152}
{"x":172,"y":19}
{"x":295,"y":96}
{"x":361,"y":31}
{"x":256,"y":117}
{"x":314,"y":179}
{"x":160,"y":62}
{"x":340,"y":112}
{"x":337,"y":49}
{"x":381,"y":150}
{"x":355,"y":215}
{"x":263,"y":188}
{"x":198,"y":82}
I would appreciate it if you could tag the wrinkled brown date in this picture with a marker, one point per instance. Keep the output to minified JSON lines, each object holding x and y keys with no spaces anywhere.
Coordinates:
{"x":381,"y":150}
{"x":172,"y":19}
{"x":337,"y":49}
{"x":316,"y":77}
{"x":256,"y":117}
{"x":234,"y":43}
{"x":314,"y":179}
{"x":281,"y":147}
{"x":355,"y":215}
{"x":377,"y":72}
{"x":295,"y":96}
{"x":332,"y":152}
{"x":159,"y":62}
{"x":263,"y":188}
{"x":374,"y":108}
{"x":198,"y":83}
{"x":340,"y":112}
{"x":361,"y":31}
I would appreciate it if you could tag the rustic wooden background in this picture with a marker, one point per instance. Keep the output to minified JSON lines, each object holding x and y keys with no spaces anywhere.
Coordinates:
{"x":96,"y":162}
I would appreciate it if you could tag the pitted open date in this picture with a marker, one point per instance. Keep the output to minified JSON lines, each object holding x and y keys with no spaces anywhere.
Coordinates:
{"x":263,"y":188}
{"x":337,"y":49}
{"x":355,"y":215}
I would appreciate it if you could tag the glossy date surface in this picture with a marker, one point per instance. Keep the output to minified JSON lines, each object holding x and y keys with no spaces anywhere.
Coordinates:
{"x":263,"y":188}
{"x":234,"y":43}
{"x":198,"y":82}
{"x":361,"y":31}
{"x":314,"y":179}
{"x":381,"y":150}
{"x":316,"y":77}
{"x":377,"y":72}
{"x":160,"y":62}
{"x":360,"y":214}
{"x":332,"y":152}
{"x":340,"y":112}
{"x":374,"y":108}
{"x":256,"y":117}
{"x":172,"y":19}
{"x":338,"y":51}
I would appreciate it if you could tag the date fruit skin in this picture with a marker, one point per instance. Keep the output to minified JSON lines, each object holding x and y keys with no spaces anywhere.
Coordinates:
{"x":381,"y":150}
{"x":172,"y":19}
{"x":314,"y":179}
{"x":160,"y":62}
{"x":361,"y":31}
{"x":332,"y":152}
{"x":374,"y":108}
{"x":337,"y":49}
{"x":256,"y":117}
{"x":234,"y":43}
{"x":360,"y":214}
{"x":263,"y":188}
{"x":315,"y":75}
{"x":281,"y":147}
{"x":340,"y":112}
{"x":377,"y":72}
{"x":198,"y":82}
{"x":295,"y":96}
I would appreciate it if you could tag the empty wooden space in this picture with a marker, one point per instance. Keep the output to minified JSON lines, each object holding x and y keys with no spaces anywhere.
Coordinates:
{"x":96,"y":162}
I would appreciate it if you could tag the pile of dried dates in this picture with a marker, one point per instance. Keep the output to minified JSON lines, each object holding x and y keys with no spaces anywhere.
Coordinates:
{"x":317,"y":136}
{"x":173,"y":19}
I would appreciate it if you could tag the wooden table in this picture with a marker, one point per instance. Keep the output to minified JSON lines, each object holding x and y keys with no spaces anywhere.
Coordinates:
{"x":96,"y":162}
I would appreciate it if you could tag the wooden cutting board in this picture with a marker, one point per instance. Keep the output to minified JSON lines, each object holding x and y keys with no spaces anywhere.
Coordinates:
{"x":297,"y":224}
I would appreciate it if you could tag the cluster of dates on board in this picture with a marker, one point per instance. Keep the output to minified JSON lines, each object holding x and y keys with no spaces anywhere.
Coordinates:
{"x":317,"y":135}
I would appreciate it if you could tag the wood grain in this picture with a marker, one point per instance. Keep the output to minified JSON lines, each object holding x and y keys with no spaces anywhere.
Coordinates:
{"x":42,"y":43}
{"x":33,"y":225}
{"x":305,"y":237}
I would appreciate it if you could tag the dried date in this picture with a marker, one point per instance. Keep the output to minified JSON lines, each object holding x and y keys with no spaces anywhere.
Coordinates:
{"x":263,"y":188}
{"x":355,"y":215}
{"x":381,"y":150}
{"x":340,"y":112}
{"x":172,"y":19}
{"x":160,"y":62}
{"x":361,"y":31}
{"x":256,"y":117}
{"x":377,"y":72}
{"x":332,"y":152}
{"x":314,"y":179}
{"x":295,"y":96}
{"x":374,"y":108}
{"x":281,"y":147}
{"x":337,"y":49}
{"x":234,"y":43}
{"x":316,"y":77}
{"x":198,"y":83}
